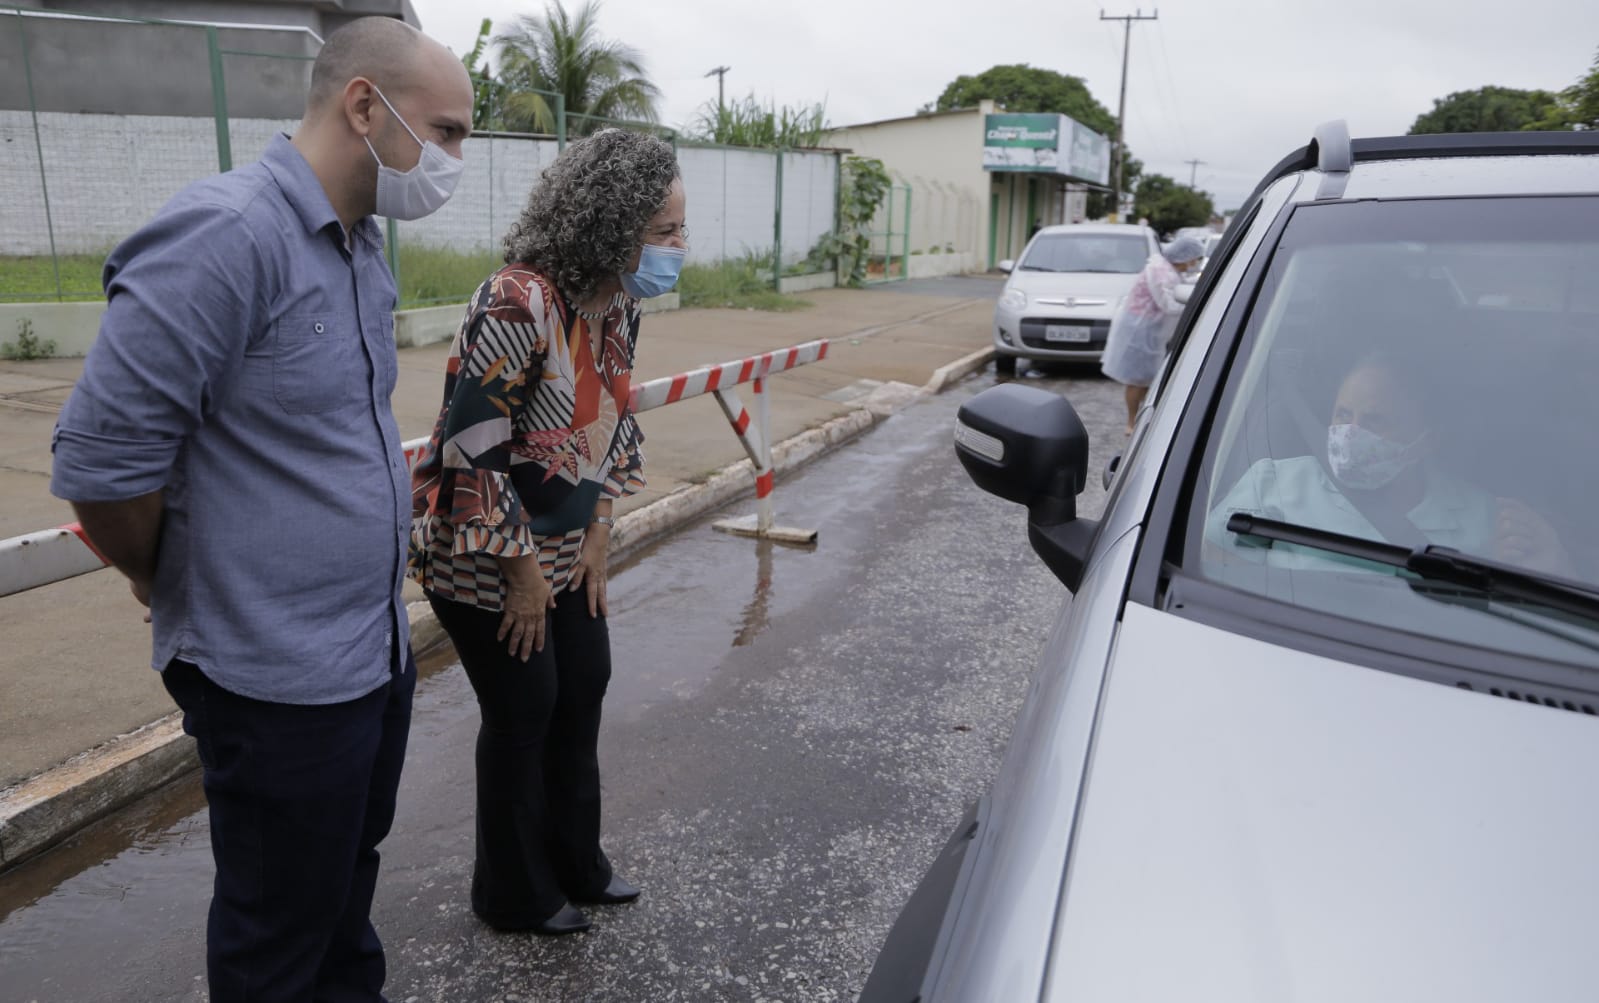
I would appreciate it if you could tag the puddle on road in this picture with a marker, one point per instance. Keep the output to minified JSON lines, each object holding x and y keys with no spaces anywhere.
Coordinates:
{"x":682,"y":605}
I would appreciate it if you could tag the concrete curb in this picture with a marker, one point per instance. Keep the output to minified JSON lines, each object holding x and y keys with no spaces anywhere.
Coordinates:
{"x":46,"y":809}
{"x":43,"y":810}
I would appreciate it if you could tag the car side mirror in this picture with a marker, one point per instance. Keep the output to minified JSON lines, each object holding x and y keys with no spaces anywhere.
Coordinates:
{"x":1028,"y":446}
{"x":1007,"y":266}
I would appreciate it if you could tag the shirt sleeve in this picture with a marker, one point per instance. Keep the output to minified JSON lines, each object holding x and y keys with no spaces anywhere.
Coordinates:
{"x":627,"y":461}
{"x":500,"y":358}
{"x":183,"y":295}
{"x":486,"y":517}
{"x":1253,"y":494}
{"x":1163,"y":289}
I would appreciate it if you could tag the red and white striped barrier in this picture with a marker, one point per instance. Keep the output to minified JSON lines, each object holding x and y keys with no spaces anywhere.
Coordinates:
{"x":53,"y":555}
{"x":671,"y":389}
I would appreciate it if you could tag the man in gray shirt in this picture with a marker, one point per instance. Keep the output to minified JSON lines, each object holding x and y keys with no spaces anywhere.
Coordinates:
{"x":231,"y":449}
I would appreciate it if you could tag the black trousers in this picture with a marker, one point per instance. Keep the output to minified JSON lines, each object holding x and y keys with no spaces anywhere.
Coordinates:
{"x":538,"y":770}
{"x":300,"y":797}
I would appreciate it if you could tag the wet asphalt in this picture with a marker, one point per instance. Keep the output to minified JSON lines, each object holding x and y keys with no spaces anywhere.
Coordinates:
{"x":789,"y":736}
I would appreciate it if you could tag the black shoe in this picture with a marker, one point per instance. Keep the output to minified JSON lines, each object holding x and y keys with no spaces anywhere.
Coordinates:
{"x":566,"y":920}
{"x":615,"y":893}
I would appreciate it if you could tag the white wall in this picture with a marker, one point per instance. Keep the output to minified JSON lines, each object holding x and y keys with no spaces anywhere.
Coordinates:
{"x":941,"y":157}
{"x":108,"y":174}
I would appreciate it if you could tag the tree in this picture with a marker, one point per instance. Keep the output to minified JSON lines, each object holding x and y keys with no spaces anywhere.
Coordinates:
{"x":564,"y":53}
{"x":1023,"y":88}
{"x":1170,"y":206}
{"x":1576,"y":107}
{"x":1486,"y":109}
{"x":483,"y":85}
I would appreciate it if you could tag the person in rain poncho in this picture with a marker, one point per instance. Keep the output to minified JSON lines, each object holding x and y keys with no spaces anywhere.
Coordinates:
{"x":1144,"y":323}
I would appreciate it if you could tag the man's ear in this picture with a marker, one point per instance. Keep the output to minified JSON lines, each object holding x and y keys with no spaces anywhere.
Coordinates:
{"x":358,"y":99}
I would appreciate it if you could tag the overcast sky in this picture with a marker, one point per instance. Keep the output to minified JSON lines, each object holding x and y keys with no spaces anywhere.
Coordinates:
{"x":1234,"y":83}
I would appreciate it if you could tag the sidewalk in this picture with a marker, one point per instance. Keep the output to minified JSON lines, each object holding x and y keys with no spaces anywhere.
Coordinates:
{"x":74,"y":664}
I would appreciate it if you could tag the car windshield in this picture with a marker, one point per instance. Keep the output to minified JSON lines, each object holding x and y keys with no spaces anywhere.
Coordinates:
{"x":1124,"y":254}
{"x":1418,"y":373}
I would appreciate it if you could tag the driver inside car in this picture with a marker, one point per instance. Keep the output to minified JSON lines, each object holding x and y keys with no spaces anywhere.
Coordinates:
{"x":1378,"y":472}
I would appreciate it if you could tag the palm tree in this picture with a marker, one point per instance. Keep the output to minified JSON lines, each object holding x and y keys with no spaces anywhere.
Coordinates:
{"x":564,"y":53}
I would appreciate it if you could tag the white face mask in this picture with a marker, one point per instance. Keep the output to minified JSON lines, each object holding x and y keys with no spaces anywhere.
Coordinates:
{"x":1364,"y":460}
{"x":423,"y":189}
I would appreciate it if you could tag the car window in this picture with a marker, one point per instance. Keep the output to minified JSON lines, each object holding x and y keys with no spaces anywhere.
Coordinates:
{"x":1412,"y":373}
{"x":1087,"y":252}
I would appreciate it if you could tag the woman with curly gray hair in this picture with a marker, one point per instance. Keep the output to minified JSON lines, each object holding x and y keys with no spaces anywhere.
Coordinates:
{"x":511,"y":503}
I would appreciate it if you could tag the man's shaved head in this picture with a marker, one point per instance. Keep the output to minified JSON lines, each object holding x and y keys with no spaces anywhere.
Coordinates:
{"x":381,"y":91}
{"x":381,"y":49}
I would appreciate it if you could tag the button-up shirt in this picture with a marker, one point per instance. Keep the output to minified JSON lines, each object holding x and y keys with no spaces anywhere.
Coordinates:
{"x":1298,"y":490}
{"x":244,"y":367}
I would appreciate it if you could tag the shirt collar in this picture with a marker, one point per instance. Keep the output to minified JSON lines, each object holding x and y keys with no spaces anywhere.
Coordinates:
{"x":305,"y":194}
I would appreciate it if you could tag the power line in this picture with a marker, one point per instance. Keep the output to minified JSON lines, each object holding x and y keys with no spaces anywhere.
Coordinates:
{"x":1171,"y":85}
{"x":1193,"y":168}
{"x":1121,"y":106}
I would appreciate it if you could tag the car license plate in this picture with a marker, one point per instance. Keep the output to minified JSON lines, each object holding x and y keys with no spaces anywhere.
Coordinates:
{"x":1064,"y":332}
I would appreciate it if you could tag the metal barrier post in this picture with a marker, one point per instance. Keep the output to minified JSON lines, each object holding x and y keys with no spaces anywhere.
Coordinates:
{"x":219,"y":101}
{"x":38,"y":146}
{"x":560,"y":122}
{"x":391,"y":247}
{"x":906,"y":265}
{"x":764,"y":475}
{"x":777,"y":231}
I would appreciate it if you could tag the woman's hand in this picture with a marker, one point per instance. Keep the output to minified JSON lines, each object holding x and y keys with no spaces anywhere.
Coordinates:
{"x":1524,"y":537}
{"x":589,"y":571}
{"x":528,"y":600}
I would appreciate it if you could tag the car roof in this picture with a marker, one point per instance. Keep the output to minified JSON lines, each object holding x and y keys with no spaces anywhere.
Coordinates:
{"x":1456,"y":164}
{"x":1095,"y":228}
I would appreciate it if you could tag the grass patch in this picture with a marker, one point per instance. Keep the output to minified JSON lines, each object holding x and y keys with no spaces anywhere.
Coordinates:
{"x":740,"y":284}
{"x":429,"y":276}
{"x":32,"y":278}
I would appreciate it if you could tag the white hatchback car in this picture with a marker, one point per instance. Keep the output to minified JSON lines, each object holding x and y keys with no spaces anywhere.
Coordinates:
{"x":1064,"y":290}
{"x":1318,"y":724}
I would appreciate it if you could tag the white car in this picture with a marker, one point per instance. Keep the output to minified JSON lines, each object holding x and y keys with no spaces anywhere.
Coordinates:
{"x":1321,"y":721}
{"x":1064,"y":290}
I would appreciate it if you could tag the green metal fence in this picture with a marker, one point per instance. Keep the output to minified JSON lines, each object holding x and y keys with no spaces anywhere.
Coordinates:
{"x":230,"y":89}
{"x":88,"y":157}
{"x":889,"y":259}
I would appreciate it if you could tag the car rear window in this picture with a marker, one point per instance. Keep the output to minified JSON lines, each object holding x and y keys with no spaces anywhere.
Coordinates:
{"x":1124,"y":254}
{"x":1417,"y":372}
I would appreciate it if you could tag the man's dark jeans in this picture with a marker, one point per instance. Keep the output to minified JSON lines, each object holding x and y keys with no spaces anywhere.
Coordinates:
{"x":300,"y":797}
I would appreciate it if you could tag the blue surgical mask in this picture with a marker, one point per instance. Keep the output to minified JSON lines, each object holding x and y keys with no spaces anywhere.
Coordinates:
{"x":658,"y":268}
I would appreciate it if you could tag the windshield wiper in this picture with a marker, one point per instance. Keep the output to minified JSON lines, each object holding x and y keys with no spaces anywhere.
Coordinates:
{"x":1434,"y":563}
{"x":1038,"y":268}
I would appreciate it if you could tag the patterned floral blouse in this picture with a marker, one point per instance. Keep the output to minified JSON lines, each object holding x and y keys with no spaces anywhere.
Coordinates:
{"x":534,"y":429}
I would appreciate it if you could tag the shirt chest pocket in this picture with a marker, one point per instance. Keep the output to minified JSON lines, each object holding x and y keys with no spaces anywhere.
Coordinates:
{"x":317,"y":362}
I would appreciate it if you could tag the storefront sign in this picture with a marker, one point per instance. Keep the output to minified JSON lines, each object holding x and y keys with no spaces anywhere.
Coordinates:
{"x":1045,"y":144}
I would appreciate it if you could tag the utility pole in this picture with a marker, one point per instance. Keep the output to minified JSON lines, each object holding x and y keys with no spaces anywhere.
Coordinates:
{"x":1121,"y":106}
{"x":1193,"y":169}
{"x":719,"y":73}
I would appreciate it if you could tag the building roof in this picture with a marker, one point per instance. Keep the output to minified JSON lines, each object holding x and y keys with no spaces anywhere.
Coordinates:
{"x":906,"y":118}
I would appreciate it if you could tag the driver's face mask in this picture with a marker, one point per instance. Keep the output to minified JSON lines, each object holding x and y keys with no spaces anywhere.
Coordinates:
{"x":1364,"y":460}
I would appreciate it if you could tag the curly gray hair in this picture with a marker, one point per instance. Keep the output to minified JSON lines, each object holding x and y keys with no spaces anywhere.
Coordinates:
{"x":587,"y":215}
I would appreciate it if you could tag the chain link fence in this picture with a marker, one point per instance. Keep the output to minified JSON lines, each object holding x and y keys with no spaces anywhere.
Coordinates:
{"x":104,"y":119}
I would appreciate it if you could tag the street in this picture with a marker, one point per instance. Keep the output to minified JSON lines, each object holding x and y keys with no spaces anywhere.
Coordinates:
{"x":790,"y":734}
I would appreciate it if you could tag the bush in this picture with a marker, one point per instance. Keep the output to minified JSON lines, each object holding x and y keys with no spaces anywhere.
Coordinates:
{"x":27,"y":346}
